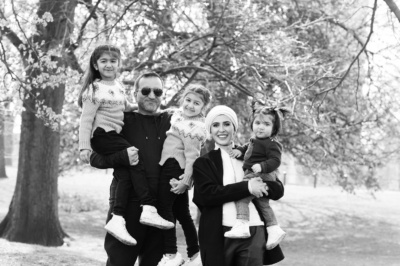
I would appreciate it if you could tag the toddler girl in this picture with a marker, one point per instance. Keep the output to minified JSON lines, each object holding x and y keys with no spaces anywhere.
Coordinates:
{"x":262,"y":157}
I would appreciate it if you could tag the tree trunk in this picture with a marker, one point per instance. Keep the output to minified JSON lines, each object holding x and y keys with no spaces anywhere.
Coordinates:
{"x":2,"y":147}
{"x":33,"y":212}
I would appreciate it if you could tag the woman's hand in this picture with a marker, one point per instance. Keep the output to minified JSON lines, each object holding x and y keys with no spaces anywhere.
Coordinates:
{"x":178,"y":187}
{"x":256,"y":168}
{"x":258,"y":187}
{"x":133,"y":155}
{"x":84,"y":155}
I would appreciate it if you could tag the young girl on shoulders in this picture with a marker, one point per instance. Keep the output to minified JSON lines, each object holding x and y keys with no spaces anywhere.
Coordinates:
{"x":181,"y":148}
{"x":262,"y":157}
{"x":103,"y":103}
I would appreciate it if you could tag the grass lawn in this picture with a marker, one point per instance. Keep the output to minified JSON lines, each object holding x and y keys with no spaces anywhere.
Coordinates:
{"x":325,"y":226}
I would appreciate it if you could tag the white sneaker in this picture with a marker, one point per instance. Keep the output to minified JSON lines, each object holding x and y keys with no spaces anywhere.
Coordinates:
{"x":150,"y":217}
{"x":240,"y":229}
{"x":195,"y":262}
{"x":116,"y":227}
{"x":275,"y":236}
{"x":167,"y":261}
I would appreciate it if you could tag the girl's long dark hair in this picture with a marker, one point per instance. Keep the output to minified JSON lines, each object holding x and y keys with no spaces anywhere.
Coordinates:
{"x":91,"y":73}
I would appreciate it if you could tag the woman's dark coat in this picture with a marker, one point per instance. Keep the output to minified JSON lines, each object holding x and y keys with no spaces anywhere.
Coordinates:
{"x":209,"y":195}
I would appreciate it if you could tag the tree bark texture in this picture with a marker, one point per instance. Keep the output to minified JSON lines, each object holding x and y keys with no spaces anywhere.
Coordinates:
{"x":33,"y":212}
{"x":2,"y":146}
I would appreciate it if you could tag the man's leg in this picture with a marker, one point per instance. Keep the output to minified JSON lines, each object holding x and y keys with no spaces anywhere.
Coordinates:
{"x":152,"y":248}
{"x":120,"y":254}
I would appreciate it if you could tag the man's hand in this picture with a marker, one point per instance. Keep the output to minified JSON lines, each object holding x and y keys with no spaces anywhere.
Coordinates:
{"x":84,"y":155}
{"x":235,"y":153}
{"x":256,"y":168}
{"x":258,"y":187}
{"x":133,"y":155}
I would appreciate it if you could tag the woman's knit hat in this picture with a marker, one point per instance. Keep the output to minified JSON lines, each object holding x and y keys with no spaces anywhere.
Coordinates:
{"x":221,"y":110}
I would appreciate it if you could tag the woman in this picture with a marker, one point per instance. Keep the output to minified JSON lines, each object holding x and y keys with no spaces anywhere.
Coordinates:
{"x":215,"y":191}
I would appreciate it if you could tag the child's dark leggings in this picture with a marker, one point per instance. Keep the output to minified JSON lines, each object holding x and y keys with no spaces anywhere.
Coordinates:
{"x":262,"y":204}
{"x":169,"y":204}
{"x":107,"y":143}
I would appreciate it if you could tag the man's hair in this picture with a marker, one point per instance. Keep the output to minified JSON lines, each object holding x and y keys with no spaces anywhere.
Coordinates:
{"x":147,"y":75}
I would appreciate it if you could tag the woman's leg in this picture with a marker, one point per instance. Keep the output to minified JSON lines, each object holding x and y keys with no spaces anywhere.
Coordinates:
{"x":245,"y":252}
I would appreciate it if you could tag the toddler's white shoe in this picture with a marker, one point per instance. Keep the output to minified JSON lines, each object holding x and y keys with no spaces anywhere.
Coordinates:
{"x":275,"y":236}
{"x":150,"y":217}
{"x":167,"y":261}
{"x":240,"y":229}
{"x":116,"y":227}
{"x":195,"y":262}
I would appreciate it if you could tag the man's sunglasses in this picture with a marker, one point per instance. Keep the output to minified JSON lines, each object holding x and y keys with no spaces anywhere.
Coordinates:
{"x":157,"y":92}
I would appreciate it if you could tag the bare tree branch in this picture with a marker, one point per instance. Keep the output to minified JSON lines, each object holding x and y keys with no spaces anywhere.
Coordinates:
{"x":359,"y":53}
{"x":394,"y":8}
{"x":216,"y":73}
{"x":81,"y":31}
{"x":11,"y":35}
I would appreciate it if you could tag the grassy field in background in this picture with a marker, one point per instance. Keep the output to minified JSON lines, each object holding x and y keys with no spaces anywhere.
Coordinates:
{"x":325,"y":226}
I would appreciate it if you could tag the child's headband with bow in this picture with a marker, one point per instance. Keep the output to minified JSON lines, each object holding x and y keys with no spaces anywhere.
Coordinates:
{"x":258,"y":107}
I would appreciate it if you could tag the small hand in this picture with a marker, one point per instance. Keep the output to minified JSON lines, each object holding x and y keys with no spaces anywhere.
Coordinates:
{"x":179,"y":188}
{"x":256,"y":168}
{"x":133,"y":155}
{"x":84,"y":155}
{"x":258,"y":187}
{"x":130,"y":107}
{"x":235,"y":153}
{"x":174,"y":182}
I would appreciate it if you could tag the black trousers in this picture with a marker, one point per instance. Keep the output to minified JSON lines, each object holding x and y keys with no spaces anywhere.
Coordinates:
{"x":149,"y":248}
{"x":174,"y":207}
{"x":246,"y":251}
{"x":106,"y":143}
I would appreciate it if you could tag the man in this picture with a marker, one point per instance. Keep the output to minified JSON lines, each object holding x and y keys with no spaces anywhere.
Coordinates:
{"x":146,"y":131}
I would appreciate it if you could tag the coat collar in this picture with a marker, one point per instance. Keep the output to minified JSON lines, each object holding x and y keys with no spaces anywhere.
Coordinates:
{"x":216,"y":158}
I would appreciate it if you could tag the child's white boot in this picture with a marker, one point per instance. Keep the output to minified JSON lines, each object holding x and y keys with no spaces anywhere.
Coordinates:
{"x":169,"y":260}
{"x":116,"y":227}
{"x":241,"y":229}
{"x":195,"y":260}
{"x":275,"y":236}
{"x":150,"y":217}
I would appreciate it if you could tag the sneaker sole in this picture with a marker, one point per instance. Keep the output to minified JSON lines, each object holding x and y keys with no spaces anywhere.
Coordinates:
{"x":276,"y":243}
{"x":121,"y":240}
{"x":156,"y":225}
{"x":238,"y":237}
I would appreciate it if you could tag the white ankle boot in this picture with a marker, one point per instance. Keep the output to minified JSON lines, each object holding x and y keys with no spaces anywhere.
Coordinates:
{"x":241,"y":229}
{"x":275,"y":236}
{"x":168,"y":261}
{"x":150,"y":217}
{"x":116,"y":227}
{"x":194,"y":261}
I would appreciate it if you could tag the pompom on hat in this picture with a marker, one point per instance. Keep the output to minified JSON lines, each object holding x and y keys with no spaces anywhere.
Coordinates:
{"x":221,"y":110}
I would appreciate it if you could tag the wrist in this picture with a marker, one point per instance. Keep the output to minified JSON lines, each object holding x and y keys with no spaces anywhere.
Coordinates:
{"x":249,"y":187}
